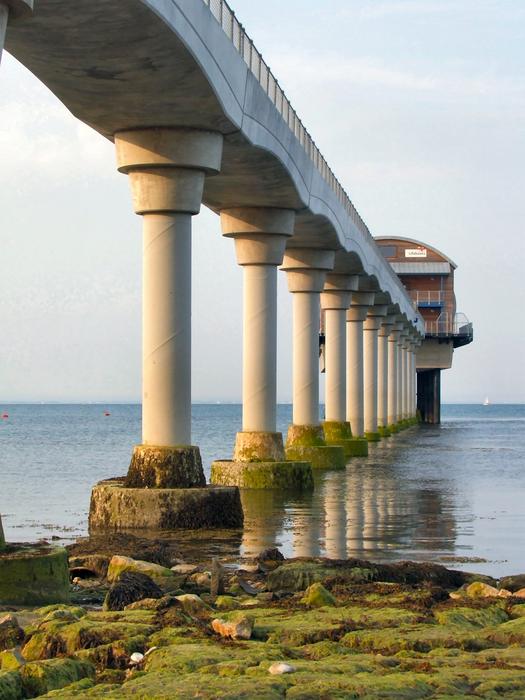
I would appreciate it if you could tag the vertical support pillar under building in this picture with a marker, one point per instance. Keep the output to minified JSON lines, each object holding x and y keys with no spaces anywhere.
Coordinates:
{"x":260,"y":236}
{"x":429,"y":395}
{"x":371,"y":328}
{"x":393,"y":387}
{"x":335,"y":301}
{"x":383,"y":375}
{"x":306,"y":270}
{"x":355,"y":411}
{"x":167,"y":169}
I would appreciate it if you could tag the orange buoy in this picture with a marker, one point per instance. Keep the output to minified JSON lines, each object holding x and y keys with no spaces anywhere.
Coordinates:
{"x":5,"y":415}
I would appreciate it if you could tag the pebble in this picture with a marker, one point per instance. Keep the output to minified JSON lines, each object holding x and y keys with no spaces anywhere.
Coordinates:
{"x":185,"y":569}
{"x":280,"y":668}
{"x":136,"y":658}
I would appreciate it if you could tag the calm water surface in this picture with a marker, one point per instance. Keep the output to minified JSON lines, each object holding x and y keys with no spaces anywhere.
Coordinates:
{"x":455,"y":491}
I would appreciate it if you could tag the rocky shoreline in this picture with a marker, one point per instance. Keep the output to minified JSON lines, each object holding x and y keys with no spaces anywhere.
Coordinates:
{"x":141,"y":623}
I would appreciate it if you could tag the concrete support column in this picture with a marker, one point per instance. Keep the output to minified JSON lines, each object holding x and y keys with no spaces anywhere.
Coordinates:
{"x":167,"y":168}
{"x":382,"y":376}
{"x":355,"y":317}
{"x":393,"y":387}
{"x":406,"y":379}
{"x":306,"y":270}
{"x":335,"y":301}
{"x":400,"y":377}
{"x":260,"y":236}
{"x":371,"y":328}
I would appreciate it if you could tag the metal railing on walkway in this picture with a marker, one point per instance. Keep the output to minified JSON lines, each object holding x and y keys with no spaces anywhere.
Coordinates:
{"x":269,"y":83}
{"x":427,"y":298}
{"x":455,"y":325}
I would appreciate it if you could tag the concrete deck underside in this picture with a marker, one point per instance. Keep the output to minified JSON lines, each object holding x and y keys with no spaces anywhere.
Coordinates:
{"x":149,"y":63}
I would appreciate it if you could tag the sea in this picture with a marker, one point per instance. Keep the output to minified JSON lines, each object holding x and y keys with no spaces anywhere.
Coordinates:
{"x":452,"y":494}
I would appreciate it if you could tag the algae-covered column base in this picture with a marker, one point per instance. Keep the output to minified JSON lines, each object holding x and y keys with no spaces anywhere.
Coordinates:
{"x":259,"y":460}
{"x":306,"y":270}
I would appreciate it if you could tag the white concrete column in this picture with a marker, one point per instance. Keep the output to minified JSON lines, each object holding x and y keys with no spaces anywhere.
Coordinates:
{"x":404,"y":375}
{"x":167,"y":169}
{"x":335,"y":301}
{"x":306,"y":270}
{"x":260,"y":236}
{"x":393,"y":387}
{"x":371,"y":328}
{"x":400,"y":377}
{"x":382,"y":373}
{"x":356,"y":314}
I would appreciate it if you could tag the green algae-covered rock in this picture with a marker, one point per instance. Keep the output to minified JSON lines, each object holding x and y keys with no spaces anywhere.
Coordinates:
{"x":34,"y":576}
{"x":11,"y":660}
{"x":163,"y":577}
{"x":114,"y":655}
{"x":297,"y":576}
{"x":226,"y":602}
{"x":472,"y":617}
{"x":42,"y":676}
{"x":75,"y":690}
{"x":421,"y":638}
{"x":10,"y":686}
{"x":316,"y":596}
{"x":205,"y":686}
{"x":58,"y":638}
{"x":193,"y":605}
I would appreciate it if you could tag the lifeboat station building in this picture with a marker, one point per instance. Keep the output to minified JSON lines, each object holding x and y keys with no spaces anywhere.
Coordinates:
{"x":428,"y":276}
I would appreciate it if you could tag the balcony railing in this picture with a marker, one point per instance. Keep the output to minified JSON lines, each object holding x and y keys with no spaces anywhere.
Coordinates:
{"x":427,"y":299}
{"x":269,"y":83}
{"x":449,"y":325}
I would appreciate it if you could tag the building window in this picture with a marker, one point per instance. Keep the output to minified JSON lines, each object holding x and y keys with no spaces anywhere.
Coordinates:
{"x":388,"y":251}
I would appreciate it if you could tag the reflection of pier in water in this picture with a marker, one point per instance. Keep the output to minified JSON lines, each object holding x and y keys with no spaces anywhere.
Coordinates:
{"x":371,"y":510}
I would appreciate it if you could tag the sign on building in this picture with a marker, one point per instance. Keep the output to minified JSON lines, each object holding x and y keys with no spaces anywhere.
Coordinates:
{"x":415,"y":252}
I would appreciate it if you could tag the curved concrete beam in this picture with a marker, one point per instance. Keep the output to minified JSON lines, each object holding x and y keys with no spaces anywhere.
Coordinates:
{"x":151,"y":63}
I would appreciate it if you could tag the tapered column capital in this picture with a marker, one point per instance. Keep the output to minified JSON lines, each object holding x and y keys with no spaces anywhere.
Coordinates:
{"x":361,"y":303}
{"x":339,"y":282}
{"x":387,"y":323}
{"x":260,"y":233}
{"x":335,"y":300}
{"x":306,"y":268}
{"x":372,"y":323}
{"x":167,"y":167}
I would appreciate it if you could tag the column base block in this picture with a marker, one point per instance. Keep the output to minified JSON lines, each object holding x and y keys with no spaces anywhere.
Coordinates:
{"x":373,"y":437}
{"x":319,"y":456}
{"x":335,"y":431}
{"x":254,"y":446}
{"x":33,"y":575}
{"x":355,"y":447}
{"x":384,"y":431}
{"x":394,"y":428}
{"x":114,"y":506}
{"x":171,"y":467}
{"x":296,"y":476}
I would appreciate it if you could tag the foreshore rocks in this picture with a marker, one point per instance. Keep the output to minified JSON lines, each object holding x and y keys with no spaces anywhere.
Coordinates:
{"x":307,"y":630}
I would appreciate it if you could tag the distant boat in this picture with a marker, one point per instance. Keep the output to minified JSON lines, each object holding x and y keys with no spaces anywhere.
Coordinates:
{"x":107,"y":413}
{"x":486,"y":402}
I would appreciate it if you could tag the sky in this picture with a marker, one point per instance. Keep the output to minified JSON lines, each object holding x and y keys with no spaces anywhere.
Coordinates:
{"x":418,"y":107}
